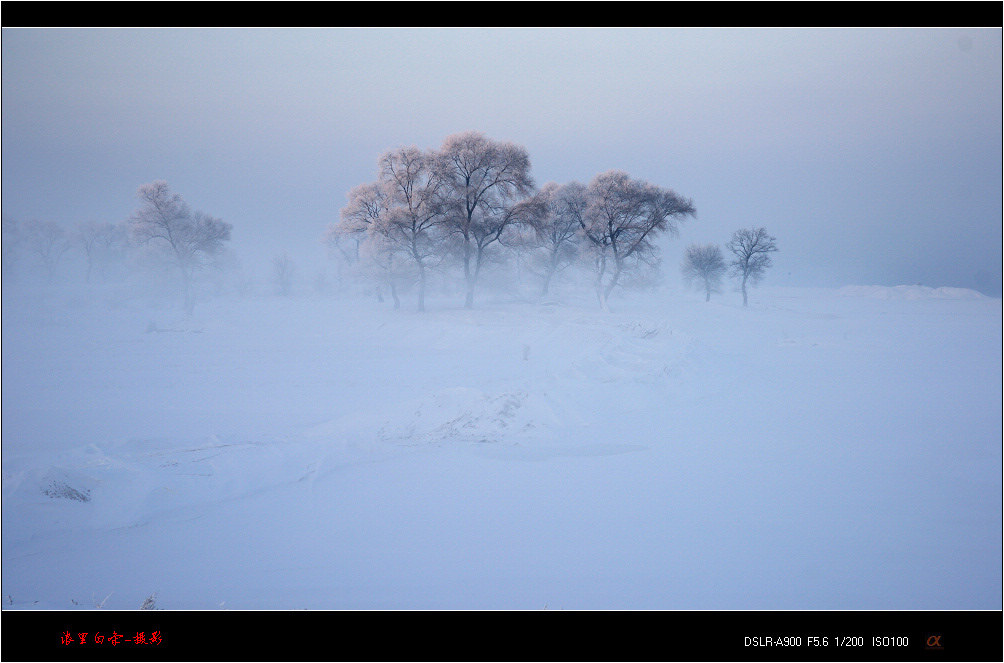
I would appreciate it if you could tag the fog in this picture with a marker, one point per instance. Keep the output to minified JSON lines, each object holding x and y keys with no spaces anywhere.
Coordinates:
{"x":179,"y":432}
{"x":873,"y":155}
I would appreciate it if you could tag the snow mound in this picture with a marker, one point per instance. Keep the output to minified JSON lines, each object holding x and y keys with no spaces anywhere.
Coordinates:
{"x":636,"y":353}
{"x":909,"y":292}
{"x":130,"y":483}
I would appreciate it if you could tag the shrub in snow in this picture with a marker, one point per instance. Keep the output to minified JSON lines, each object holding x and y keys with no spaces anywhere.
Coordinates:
{"x":61,"y":490}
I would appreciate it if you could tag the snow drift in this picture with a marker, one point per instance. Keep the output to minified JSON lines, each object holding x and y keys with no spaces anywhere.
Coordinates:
{"x":822,"y":449}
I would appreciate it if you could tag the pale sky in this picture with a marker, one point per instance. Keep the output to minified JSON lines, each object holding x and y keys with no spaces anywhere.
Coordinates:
{"x":873,"y":155}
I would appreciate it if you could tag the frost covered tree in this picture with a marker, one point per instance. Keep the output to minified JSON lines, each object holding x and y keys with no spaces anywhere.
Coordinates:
{"x":187,"y":237}
{"x":381,"y":260}
{"x":414,"y":209}
{"x":498,"y":223}
{"x":484,"y":180}
{"x":366,"y":203}
{"x":703,"y":267}
{"x":48,"y":241}
{"x":393,"y":221}
{"x":360,"y":237}
{"x":557,"y":227}
{"x":751,"y":249}
{"x":621,"y":218}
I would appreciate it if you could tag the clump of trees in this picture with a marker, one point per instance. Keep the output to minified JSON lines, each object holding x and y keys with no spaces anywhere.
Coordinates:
{"x":452,"y":212}
{"x":704,"y":264}
{"x":474,"y":201}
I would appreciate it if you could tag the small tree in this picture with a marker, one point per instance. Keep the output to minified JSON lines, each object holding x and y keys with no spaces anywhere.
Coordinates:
{"x":282,"y":273}
{"x":187,"y":237}
{"x":704,"y":266}
{"x":751,"y":248}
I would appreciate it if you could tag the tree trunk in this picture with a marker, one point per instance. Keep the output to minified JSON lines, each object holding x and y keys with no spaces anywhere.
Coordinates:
{"x":421,"y":286}
{"x":601,"y":268}
{"x":393,"y":293}
{"x":189,"y":294}
{"x":744,"y":291}
{"x":469,"y":301}
{"x":610,"y":286}
{"x":547,"y":283}
{"x":550,"y":273}
{"x":601,"y":296}
{"x":472,"y":282}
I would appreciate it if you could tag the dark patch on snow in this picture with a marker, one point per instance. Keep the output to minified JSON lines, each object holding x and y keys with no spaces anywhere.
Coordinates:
{"x":61,"y":490}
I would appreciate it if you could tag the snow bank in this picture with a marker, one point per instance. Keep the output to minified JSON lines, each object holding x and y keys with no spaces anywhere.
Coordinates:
{"x":909,"y":292}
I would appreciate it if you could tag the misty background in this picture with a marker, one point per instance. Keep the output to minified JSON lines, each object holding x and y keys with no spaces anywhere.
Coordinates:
{"x":239,"y":449}
{"x":873,"y":155}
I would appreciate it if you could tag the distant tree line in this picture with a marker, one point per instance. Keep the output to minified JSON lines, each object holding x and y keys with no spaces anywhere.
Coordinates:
{"x":458,"y":212}
{"x":473,"y":202}
{"x":163,"y":231}
{"x":41,"y":246}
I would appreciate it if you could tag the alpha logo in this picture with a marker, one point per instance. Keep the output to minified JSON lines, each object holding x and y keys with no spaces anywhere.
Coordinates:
{"x":933,"y":642}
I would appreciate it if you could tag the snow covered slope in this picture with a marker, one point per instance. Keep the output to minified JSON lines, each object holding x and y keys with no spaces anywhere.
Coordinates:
{"x":822,"y":449}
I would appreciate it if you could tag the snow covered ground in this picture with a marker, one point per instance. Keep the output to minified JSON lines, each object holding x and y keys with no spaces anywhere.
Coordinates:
{"x":822,"y":449}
